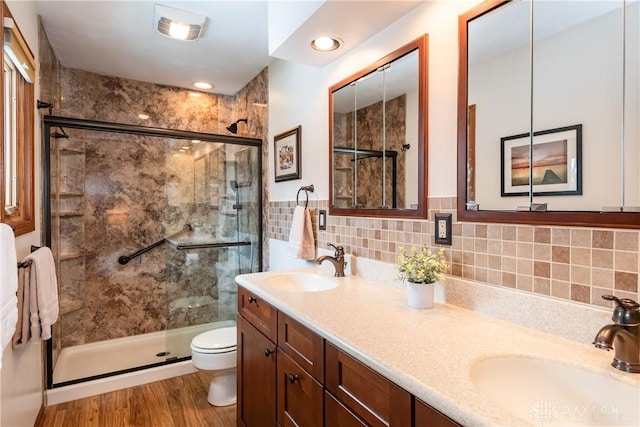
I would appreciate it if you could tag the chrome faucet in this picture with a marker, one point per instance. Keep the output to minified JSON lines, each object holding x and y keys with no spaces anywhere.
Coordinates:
{"x":337,"y":260}
{"x":623,"y":335}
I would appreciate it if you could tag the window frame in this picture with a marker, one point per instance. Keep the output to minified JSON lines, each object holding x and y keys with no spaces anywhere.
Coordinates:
{"x":23,"y":220}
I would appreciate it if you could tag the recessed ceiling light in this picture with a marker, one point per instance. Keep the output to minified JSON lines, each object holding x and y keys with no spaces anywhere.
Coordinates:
{"x":203,"y":85}
{"x":143,"y":116}
{"x":326,"y":44}
{"x":195,"y":141}
{"x":177,"y":23}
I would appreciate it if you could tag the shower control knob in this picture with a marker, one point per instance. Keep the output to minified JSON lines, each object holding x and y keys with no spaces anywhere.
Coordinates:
{"x":293,"y":378}
{"x":268,"y":352}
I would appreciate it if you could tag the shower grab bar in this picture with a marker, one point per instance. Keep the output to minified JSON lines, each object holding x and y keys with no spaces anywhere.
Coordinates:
{"x":124,"y":259}
{"x":212,"y":245}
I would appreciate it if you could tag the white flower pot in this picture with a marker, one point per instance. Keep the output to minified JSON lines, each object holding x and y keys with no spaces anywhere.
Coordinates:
{"x":420,"y":295}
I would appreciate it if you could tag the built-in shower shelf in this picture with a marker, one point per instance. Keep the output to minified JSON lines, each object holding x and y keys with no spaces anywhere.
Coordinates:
{"x":344,"y":197}
{"x":66,"y":214}
{"x":69,"y":306}
{"x":67,"y":257}
{"x":68,"y":195}
{"x":345,"y":169}
{"x":69,"y":152}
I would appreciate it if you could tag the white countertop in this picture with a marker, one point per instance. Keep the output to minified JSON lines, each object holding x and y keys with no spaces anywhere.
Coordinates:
{"x":429,"y":353}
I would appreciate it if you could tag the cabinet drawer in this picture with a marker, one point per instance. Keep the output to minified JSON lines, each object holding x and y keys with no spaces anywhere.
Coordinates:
{"x":261,"y":314}
{"x":375,"y":399}
{"x":303,"y":345}
{"x":299,"y":395}
{"x":336,"y":415}
{"x":426,"y":416}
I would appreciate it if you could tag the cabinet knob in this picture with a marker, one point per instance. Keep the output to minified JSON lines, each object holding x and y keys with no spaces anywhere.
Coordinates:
{"x":268,"y":352}
{"x":293,"y":378}
{"x":252,"y":299}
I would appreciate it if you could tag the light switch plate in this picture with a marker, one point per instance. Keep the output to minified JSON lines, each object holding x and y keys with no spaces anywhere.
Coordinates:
{"x":442,"y":232}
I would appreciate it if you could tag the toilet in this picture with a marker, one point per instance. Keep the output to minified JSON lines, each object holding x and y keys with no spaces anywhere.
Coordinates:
{"x":215,"y":351}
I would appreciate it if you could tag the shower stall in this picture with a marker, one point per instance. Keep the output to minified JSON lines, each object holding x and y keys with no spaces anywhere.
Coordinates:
{"x":148,"y":228}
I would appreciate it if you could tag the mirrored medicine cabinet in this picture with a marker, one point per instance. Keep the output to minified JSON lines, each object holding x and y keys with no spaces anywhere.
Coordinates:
{"x":548,"y":113}
{"x":378,"y":137}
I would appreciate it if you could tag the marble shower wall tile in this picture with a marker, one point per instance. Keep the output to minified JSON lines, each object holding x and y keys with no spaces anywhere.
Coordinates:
{"x":126,"y":204}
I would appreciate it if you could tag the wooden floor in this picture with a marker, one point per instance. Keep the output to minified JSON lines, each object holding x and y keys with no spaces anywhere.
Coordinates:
{"x":176,"y":402}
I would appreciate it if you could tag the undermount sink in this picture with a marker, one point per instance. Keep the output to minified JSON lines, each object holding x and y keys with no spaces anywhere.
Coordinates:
{"x":301,"y":282}
{"x":555,"y":394}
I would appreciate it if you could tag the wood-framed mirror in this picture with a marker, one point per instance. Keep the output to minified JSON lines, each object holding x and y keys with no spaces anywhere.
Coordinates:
{"x":548,"y":127}
{"x":378,"y":137}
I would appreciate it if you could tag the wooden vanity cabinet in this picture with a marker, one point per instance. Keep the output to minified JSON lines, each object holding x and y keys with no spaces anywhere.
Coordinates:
{"x":256,"y":372}
{"x":300,"y":374}
{"x":338,"y":415}
{"x":259,"y":313}
{"x":375,"y":399}
{"x":426,"y":416}
{"x":288,"y":375}
{"x":299,"y":395}
{"x":257,"y":362}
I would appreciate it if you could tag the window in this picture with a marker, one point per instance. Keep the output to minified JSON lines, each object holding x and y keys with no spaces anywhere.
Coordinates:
{"x":16,"y":165}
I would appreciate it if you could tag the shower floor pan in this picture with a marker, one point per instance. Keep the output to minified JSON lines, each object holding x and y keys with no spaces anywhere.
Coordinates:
{"x":123,"y":354}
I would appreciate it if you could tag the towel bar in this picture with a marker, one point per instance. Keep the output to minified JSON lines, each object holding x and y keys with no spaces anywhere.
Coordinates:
{"x":307,"y":189}
{"x":24,"y":264}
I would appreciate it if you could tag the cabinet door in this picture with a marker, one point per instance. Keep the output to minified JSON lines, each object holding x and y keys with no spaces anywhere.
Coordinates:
{"x":426,"y":416}
{"x":375,"y":399}
{"x":260,"y":313}
{"x":303,"y":345}
{"x":336,"y":415}
{"x":299,"y":395}
{"x":256,"y":377}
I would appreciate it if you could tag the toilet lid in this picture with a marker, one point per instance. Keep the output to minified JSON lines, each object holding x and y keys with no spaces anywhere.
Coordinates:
{"x":216,"y":339}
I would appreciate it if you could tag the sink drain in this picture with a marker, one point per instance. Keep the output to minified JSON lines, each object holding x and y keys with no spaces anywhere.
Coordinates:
{"x":163,"y":353}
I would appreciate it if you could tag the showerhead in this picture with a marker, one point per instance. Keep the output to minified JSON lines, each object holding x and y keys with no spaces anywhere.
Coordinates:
{"x":233,"y":127}
{"x":234,"y":185}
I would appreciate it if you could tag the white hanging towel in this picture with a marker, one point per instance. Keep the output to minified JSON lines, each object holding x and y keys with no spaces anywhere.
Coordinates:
{"x":301,"y":241}
{"x":43,"y":293}
{"x":8,"y":286}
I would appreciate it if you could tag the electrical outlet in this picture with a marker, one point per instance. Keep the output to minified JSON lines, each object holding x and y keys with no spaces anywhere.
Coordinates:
{"x":442,"y":229}
{"x":322,"y":219}
{"x":442,"y":232}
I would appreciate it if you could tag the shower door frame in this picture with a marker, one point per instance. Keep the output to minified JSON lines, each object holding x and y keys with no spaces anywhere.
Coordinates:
{"x":49,"y":122}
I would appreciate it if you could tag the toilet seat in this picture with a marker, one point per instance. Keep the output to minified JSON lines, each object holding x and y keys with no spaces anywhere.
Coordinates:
{"x":222,"y":340}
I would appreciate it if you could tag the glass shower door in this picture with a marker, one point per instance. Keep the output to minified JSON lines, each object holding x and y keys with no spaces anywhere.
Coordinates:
{"x":223,"y":241}
{"x":148,"y":231}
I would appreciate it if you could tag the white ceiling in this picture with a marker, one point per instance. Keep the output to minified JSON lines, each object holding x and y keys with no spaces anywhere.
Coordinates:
{"x":118,"y":38}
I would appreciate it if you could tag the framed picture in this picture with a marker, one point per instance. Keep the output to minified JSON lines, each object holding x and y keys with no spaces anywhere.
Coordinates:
{"x":556,"y":158}
{"x":286,"y":149}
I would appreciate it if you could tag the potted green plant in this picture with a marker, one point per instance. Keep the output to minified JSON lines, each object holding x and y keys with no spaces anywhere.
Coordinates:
{"x":421,"y":269}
